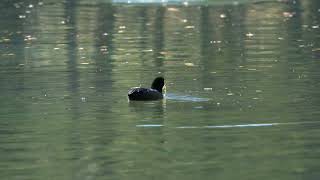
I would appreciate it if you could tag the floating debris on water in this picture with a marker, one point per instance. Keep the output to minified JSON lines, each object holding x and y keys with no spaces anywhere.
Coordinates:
{"x":249,"y":34}
{"x":189,"y":64}
{"x":207,"y":89}
{"x":22,"y":16}
{"x":147,"y":50}
{"x":29,"y":38}
{"x":223,"y":16}
{"x":8,"y":54}
{"x":215,"y":42}
{"x":103,"y":49}
{"x":252,"y":69}
{"x":189,"y":27}
{"x":288,"y":14}
{"x":173,"y":9}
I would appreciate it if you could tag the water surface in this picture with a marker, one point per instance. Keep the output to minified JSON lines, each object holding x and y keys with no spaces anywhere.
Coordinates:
{"x":242,"y":84}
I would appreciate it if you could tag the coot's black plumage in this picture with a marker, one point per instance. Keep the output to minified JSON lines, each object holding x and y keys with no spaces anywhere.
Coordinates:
{"x":148,"y":94}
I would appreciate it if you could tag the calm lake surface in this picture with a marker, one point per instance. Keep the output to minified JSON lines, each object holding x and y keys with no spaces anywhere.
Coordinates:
{"x":242,"y":83}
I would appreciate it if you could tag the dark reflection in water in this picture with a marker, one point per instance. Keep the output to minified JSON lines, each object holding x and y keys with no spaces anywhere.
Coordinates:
{"x":242,"y":96}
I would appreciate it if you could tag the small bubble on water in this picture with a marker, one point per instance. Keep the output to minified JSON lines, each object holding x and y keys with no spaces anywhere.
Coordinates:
{"x":83,"y":99}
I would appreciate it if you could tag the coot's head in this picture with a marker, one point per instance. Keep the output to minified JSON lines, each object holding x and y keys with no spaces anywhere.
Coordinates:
{"x":158,"y":84}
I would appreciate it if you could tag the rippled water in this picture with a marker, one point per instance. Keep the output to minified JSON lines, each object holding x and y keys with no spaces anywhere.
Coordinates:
{"x":242,"y":97}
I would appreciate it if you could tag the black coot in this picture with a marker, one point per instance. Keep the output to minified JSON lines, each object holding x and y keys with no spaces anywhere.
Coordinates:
{"x":148,"y":94}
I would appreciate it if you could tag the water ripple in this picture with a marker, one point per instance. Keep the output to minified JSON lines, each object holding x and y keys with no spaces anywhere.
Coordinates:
{"x":230,"y":126}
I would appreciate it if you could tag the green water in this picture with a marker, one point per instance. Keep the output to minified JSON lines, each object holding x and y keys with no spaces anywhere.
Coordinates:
{"x":242,"y":80}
